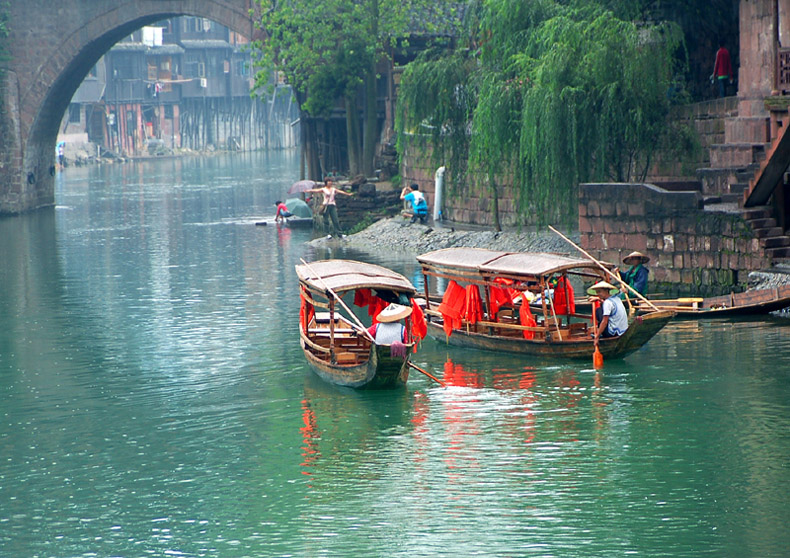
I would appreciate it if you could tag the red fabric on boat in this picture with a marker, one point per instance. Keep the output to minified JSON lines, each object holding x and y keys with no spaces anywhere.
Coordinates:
{"x":376,"y":306}
{"x":453,"y":307}
{"x":498,"y":297}
{"x":362,"y":297}
{"x":474,"y":305}
{"x":419,"y":328}
{"x":527,"y":319}
{"x":564,"y":303}
{"x":306,"y":310}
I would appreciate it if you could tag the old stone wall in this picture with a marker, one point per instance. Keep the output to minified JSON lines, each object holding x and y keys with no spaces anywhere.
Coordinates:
{"x":692,"y":250}
{"x":467,"y":203}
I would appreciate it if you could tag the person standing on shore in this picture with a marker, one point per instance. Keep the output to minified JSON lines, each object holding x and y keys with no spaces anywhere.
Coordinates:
{"x":329,"y":207}
{"x":722,"y":69}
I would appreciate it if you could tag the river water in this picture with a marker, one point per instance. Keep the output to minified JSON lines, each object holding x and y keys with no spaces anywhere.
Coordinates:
{"x":154,"y":401}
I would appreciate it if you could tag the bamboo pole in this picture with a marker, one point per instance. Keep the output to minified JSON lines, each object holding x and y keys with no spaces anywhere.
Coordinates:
{"x":599,"y":264}
{"x":362,"y":329}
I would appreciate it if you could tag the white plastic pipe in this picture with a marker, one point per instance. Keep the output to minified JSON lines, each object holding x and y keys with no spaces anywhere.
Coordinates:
{"x":437,"y":202}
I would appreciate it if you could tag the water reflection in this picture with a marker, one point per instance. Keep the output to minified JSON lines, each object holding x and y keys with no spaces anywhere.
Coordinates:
{"x":154,"y":400}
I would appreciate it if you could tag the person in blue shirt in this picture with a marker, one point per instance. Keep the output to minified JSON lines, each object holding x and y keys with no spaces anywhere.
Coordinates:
{"x":418,"y":204}
{"x":637,"y":275}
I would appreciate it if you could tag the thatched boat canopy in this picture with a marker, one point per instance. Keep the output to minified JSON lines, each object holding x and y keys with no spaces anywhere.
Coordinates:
{"x":348,"y":275}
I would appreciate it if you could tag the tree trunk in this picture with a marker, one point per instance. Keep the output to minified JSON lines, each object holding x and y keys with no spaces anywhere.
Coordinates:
{"x":371,"y":118}
{"x":352,"y":134}
{"x":495,"y":206}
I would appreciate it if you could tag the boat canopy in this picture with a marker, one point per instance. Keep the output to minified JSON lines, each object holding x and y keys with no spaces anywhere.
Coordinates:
{"x":347,"y":275}
{"x":517,"y":265}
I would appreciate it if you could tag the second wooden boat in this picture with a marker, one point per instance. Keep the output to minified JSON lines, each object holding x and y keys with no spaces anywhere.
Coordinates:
{"x":337,"y":347}
{"x":501,"y":324}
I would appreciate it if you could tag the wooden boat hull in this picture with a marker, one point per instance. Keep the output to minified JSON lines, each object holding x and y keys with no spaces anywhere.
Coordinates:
{"x":379,"y":371}
{"x":758,"y":301}
{"x":641,"y":330}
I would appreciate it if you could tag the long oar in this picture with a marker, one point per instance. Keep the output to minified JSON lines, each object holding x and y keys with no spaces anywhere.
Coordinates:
{"x":362,"y":328}
{"x":599,"y":264}
{"x":597,"y":355}
{"x":421,"y":371}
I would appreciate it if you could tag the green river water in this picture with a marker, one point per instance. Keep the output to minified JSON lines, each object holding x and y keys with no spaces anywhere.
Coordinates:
{"x":154,"y":401}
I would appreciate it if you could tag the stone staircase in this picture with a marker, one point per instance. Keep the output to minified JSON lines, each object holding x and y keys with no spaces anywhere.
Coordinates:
{"x":735,"y":165}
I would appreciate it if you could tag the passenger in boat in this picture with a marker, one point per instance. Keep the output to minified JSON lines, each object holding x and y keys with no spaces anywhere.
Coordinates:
{"x":281,"y":212}
{"x":611,"y":315}
{"x":637,"y":275}
{"x":389,"y":330}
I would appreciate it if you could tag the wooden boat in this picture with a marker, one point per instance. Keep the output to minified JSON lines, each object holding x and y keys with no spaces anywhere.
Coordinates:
{"x":554,"y":334}
{"x":755,"y":301}
{"x":337,"y":348}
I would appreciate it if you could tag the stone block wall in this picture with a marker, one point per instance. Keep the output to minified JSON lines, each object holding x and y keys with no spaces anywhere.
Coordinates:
{"x":468,"y":203}
{"x":692,"y":251}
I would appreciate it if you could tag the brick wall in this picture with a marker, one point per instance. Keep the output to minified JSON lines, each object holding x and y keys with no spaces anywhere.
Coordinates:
{"x":692,"y":251}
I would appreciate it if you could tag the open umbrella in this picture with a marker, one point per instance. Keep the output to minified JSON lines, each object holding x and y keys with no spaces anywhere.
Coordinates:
{"x":301,"y":186}
{"x":298,"y":208}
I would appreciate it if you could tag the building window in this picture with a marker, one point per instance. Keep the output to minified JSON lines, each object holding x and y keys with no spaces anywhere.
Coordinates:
{"x":74,"y":113}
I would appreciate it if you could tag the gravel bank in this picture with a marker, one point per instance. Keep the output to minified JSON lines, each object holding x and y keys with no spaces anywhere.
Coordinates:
{"x":397,"y":234}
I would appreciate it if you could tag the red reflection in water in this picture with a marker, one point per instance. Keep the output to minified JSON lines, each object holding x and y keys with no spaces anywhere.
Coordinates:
{"x":455,"y":375}
{"x":310,"y":437}
{"x":283,"y":235}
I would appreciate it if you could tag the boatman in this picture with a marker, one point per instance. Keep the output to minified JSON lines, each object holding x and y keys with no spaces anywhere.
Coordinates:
{"x":611,"y":314}
{"x":637,"y":275}
{"x":389,"y":330}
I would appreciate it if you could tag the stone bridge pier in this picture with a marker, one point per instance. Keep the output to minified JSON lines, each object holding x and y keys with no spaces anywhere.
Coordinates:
{"x":53,"y":46}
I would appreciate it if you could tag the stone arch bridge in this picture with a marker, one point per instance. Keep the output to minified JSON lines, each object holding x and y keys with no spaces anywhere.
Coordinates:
{"x":52,"y":47}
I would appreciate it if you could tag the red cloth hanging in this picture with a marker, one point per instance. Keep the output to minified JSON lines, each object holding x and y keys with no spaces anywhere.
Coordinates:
{"x":526,"y":318}
{"x":376,"y":306}
{"x":498,"y":298}
{"x":306,"y":310}
{"x":564,"y":303}
{"x":453,"y":306}
{"x":419,"y":328}
{"x":474,"y":305}
{"x":362,"y":297}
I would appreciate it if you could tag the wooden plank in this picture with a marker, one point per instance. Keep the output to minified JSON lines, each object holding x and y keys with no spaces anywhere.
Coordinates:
{"x":312,"y":345}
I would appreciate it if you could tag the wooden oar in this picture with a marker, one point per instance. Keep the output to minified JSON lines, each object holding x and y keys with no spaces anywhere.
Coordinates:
{"x":599,"y":264}
{"x":421,"y":371}
{"x":597,"y":355}
{"x":361,"y":327}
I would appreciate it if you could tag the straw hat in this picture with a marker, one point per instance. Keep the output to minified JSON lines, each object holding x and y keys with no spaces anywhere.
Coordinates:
{"x":393,"y":313}
{"x":635,"y":258}
{"x":601,"y":285}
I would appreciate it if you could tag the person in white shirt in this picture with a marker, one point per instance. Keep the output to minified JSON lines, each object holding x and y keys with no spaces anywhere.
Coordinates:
{"x":612,"y":315}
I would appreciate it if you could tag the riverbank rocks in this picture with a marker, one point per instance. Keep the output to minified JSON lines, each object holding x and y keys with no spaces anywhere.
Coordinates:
{"x":397,"y":234}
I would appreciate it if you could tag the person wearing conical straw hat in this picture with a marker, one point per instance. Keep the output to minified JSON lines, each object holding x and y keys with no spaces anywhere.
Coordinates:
{"x":637,"y":275}
{"x":389,"y":330}
{"x":612,"y":316}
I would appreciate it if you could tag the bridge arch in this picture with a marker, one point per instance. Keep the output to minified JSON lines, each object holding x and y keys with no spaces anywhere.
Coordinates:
{"x":52,"y":49}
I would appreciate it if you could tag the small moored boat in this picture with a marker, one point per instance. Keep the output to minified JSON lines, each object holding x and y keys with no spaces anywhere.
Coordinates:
{"x":754,"y":301}
{"x":338,"y":348}
{"x":500,"y":320}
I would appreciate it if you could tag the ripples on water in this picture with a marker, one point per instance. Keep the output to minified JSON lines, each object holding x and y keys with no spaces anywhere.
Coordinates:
{"x":154,"y":401}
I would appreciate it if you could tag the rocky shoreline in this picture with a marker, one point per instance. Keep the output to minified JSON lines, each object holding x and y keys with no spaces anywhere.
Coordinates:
{"x":396,"y":234}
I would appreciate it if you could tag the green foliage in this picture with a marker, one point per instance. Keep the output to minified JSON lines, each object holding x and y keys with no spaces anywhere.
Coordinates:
{"x":558,"y":93}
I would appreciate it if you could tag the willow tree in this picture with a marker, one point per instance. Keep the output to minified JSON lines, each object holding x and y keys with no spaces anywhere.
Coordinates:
{"x":566,"y":92}
{"x":597,"y":105}
{"x":309,"y":40}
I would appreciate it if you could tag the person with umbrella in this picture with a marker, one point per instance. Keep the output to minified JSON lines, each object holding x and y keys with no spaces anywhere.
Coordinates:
{"x":329,"y":207}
